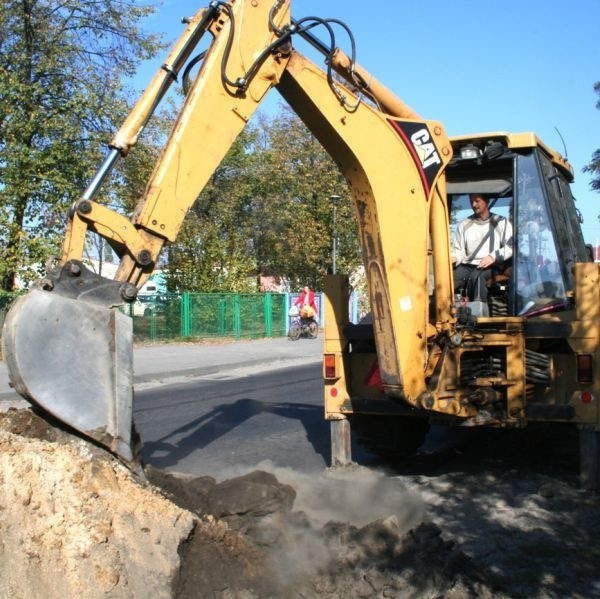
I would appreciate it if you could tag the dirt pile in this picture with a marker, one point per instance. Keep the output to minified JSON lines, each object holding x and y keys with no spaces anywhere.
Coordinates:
{"x":75,"y":522}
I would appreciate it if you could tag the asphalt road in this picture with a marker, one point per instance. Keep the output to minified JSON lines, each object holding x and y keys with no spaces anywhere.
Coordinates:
{"x":207,"y":407}
{"x":167,"y":362}
{"x":236,"y":419}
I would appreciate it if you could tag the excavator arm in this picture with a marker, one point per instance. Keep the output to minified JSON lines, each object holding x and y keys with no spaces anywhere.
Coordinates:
{"x":67,"y":346}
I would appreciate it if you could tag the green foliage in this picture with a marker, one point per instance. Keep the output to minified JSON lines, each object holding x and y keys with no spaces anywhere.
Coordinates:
{"x":267,"y":209}
{"x":60,"y":99}
{"x":594,"y":166}
{"x":213,"y":251}
{"x":295,"y":181}
{"x":209,"y":255}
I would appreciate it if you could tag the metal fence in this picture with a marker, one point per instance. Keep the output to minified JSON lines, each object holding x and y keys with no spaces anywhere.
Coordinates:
{"x":209,"y":315}
{"x":200,"y":315}
{"x":181,"y":316}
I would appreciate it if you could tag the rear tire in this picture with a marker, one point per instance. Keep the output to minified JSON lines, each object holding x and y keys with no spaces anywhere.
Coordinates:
{"x":313,"y":330}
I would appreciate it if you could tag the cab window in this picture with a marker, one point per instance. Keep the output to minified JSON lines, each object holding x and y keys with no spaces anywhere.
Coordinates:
{"x":539,"y":273}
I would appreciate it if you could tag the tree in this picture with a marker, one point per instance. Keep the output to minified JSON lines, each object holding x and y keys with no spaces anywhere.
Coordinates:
{"x":61,"y":65}
{"x":295,"y":181}
{"x":266,"y":210}
{"x":213,"y":251}
{"x":594,"y":166}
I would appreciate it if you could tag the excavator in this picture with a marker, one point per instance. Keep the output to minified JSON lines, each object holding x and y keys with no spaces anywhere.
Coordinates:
{"x":530,"y":353}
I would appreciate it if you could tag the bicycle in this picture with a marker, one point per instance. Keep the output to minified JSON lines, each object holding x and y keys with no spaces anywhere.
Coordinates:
{"x":301,"y":326}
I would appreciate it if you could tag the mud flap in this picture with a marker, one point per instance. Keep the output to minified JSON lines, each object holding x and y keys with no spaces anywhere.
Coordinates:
{"x":74,"y":359}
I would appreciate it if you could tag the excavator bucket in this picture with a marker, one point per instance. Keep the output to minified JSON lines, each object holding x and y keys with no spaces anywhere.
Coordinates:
{"x":69,"y":351}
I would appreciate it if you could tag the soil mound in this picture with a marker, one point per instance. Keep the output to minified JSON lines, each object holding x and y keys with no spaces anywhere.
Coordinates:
{"x":76,"y":522}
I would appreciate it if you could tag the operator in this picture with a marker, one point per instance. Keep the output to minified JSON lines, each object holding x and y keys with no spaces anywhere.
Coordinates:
{"x":480,"y":246}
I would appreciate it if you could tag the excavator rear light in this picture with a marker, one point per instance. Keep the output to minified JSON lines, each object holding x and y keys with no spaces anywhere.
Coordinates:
{"x":585,"y":368}
{"x":329,"y":369}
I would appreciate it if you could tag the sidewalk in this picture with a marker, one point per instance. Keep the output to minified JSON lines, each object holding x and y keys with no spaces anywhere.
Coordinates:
{"x":195,"y":359}
{"x":160,"y":362}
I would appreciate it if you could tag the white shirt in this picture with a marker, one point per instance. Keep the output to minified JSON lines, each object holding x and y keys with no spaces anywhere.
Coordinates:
{"x":475,"y":239}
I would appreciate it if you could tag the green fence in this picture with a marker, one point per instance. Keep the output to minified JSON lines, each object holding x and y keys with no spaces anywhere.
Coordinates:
{"x":202,"y":315}
{"x":209,"y":315}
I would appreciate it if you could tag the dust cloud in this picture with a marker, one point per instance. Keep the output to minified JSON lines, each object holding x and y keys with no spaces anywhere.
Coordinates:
{"x":355,"y":494}
{"x":338,"y":519}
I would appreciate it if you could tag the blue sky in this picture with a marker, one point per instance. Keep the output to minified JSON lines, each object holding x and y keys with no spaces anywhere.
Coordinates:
{"x":516,"y":65}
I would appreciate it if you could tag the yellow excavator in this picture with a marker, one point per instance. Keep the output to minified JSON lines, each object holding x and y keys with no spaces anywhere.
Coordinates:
{"x":530,"y":353}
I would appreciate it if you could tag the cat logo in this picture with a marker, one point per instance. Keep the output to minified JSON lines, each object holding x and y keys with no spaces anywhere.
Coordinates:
{"x":418,"y":141}
{"x":425,"y":148}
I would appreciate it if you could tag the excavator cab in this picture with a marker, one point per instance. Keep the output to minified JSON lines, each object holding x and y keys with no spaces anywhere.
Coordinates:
{"x":528,"y":184}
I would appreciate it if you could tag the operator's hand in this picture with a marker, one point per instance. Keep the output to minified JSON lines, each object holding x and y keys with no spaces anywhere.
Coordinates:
{"x":486,"y":262}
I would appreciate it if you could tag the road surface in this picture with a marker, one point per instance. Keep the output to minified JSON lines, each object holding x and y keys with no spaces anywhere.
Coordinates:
{"x":239,"y":418}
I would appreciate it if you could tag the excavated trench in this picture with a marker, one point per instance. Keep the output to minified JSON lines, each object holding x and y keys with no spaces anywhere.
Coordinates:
{"x":75,"y":522}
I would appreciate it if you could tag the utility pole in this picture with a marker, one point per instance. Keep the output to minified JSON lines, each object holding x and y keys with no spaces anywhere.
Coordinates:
{"x":334,"y":200}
